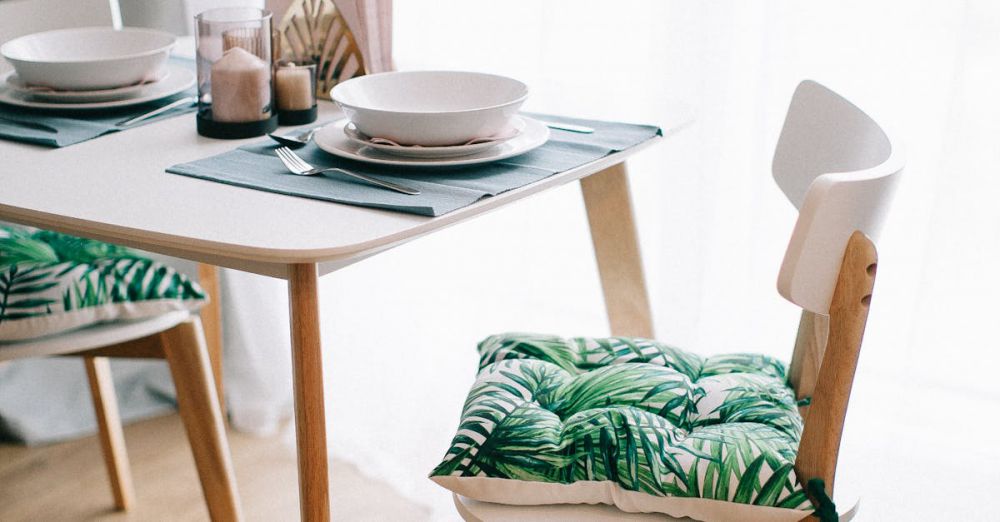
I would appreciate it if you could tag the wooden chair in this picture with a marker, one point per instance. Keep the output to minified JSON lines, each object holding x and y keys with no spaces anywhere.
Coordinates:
{"x":193,"y":350}
{"x":176,"y":337}
{"x":313,"y":30}
{"x":839,"y":168}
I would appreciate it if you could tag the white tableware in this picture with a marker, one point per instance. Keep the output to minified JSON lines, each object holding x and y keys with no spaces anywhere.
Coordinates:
{"x":418,"y":151}
{"x":45,"y":94}
{"x":332,"y":139}
{"x":430,"y":108}
{"x":89,"y":58}
{"x":178,"y":79}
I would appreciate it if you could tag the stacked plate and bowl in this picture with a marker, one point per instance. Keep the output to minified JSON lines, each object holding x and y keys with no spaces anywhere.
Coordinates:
{"x":431,"y":118}
{"x":91,"y":68}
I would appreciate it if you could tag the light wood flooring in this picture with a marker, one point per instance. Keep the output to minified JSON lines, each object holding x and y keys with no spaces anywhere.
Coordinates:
{"x":67,"y":481}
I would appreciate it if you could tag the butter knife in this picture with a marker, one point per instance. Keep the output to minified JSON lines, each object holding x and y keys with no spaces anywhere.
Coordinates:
{"x":190,"y":100}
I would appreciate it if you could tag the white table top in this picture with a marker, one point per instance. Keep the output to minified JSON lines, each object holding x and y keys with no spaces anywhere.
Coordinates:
{"x":115,"y":188}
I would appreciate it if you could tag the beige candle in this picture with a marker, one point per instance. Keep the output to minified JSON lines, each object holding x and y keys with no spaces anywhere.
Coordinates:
{"x":241,"y":87}
{"x":294,"y":88}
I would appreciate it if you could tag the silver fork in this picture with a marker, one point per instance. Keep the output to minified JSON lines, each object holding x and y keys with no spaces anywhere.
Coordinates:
{"x":297,"y":165}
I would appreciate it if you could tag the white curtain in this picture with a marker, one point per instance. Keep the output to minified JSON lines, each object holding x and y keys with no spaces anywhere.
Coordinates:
{"x":400,"y":329}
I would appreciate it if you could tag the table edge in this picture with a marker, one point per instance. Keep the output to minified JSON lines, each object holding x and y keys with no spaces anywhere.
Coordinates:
{"x":174,"y":245}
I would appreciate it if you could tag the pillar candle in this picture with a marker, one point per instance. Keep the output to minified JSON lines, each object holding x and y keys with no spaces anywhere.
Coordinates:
{"x":294,"y":88}
{"x":241,"y":87}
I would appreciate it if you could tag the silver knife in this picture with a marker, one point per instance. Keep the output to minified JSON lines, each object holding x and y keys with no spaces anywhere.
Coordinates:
{"x":568,"y":127}
{"x":190,"y":100}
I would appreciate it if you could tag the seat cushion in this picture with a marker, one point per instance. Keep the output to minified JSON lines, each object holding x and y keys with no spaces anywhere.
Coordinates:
{"x":52,"y":283}
{"x":630,"y":422}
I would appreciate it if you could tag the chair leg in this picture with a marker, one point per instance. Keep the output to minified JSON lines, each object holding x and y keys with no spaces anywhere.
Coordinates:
{"x":109,"y":428}
{"x":184,"y":347}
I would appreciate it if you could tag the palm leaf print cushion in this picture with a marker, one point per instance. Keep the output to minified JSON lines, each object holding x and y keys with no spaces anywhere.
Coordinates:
{"x":52,"y":283}
{"x":629,"y":422}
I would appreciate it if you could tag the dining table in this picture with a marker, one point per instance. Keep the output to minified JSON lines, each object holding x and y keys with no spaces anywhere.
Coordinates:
{"x":115,"y":188}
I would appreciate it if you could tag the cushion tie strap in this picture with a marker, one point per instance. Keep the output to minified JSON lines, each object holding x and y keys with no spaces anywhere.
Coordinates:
{"x":805,"y":401}
{"x":826,"y":510}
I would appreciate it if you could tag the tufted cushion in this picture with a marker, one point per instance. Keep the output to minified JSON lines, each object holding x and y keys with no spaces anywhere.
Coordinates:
{"x":52,"y":283}
{"x":630,"y":422}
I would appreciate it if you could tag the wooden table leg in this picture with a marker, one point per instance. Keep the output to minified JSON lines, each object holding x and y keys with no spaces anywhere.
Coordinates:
{"x":616,"y":244}
{"x":211,"y":320}
{"x":310,"y":417}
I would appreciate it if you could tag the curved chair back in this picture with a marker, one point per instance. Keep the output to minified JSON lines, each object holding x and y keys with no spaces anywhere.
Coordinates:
{"x":345,"y":38}
{"x":839,"y":168}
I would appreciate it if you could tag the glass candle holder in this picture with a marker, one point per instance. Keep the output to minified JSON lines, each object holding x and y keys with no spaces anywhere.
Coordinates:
{"x":235,"y":95}
{"x":295,"y":92}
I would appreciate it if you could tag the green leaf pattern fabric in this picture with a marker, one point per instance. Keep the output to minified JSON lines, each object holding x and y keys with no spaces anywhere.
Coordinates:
{"x":52,"y":282}
{"x":644,"y":415}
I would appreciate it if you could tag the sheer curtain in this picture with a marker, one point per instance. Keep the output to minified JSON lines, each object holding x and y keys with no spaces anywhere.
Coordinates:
{"x":401,"y":328}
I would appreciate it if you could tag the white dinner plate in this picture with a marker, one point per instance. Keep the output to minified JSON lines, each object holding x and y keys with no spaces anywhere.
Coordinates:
{"x":332,"y":139}
{"x":48,"y":95}
{"x":453,"y":151}
{"x":179,"y":78}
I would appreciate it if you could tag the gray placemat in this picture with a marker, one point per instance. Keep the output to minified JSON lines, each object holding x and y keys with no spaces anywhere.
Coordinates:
{"x":67,"y":127}
{"x":255,"y":166}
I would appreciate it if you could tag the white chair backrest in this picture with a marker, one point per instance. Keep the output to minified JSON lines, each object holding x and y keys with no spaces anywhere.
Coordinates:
{"x":839,"y":168}
{"x":21,"y":17}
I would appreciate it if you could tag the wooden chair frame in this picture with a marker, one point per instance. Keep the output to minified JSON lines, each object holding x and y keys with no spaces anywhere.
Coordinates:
{"x":183,"y":347}
{"x":315,"y":31}
{"x":835,"y":341}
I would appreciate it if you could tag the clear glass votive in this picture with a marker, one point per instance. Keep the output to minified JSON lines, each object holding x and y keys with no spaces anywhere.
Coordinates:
{"x":235,"y":95}
{"x":295,"y":92}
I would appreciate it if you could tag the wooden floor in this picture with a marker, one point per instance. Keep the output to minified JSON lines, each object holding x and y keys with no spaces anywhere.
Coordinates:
{"x":67,"y":481}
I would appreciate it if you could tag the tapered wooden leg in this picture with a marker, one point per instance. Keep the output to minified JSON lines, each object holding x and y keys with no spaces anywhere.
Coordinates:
{"x":109,"y":428}
{"x":310,"y":418}
{"x":211,"y":320}
{"x":616,"y":244}
{"x":184,"y":347}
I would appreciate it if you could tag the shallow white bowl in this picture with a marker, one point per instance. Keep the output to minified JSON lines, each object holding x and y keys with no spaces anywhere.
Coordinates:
{"x":89,"y":58}
{"x":430,"y":108}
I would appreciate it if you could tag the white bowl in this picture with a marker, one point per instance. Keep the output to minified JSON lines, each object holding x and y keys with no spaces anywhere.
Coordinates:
{"x":430,"y":108}
{"x":89,"y":58}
